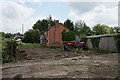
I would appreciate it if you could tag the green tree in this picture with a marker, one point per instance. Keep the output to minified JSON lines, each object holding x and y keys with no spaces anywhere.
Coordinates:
{"x":101,"y":29}
{"x":8,"y":35}
{"x":79,"y":23}
{"x":82,"y":29}
{"x":111,"y":30}
{"x":2,"y":34}
{"x":32,"y":36}
{"x":69,"y":24}
{"x":42,"y":25}
{"x":76,"y":30}
{"x":85,"y":30}
{"x":117,"y":29}
{"x":50,"y":21}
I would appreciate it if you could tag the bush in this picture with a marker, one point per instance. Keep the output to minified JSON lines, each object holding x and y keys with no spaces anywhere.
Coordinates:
{"x":95,"y":42}
{"x":68,"y":36}
{"x":32,"y":36}
{"x":9,"y":51}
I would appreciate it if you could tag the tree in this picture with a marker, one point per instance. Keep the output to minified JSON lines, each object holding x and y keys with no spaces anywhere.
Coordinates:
{"x":76,"y":30}
{"x":42,"y":25}
{"x":2,"y":34}
{"x":82,"y":29}
{"x":8,"y":35}
{"x":85,"y":30}
{"x":101,"y":29}
{"x":117,"y":29}
{"x":69,"y":24}
{"x":50,"y":21}
{"x":32,"y":36}
{"x":79,"y":23}
{"x":111,"y":30}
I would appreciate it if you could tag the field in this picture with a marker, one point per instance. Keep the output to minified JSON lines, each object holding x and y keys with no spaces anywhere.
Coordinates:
{"x":40,"y":62}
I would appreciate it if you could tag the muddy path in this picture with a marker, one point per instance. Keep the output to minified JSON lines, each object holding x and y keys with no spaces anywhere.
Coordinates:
{"x":48,"y":63}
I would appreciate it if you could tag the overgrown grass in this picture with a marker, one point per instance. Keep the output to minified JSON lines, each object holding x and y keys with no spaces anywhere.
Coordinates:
{"x":32,"y":45}
{"x":59,"y":48}
{"x":39,"y":46}
{"x":98,"y":51}
{"x":29,"y":44}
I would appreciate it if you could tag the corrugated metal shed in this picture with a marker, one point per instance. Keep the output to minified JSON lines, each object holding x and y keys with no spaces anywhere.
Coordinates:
{"x":104,"y":35}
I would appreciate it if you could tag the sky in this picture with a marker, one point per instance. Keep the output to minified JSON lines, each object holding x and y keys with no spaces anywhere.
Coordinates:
{"x":14,"y":13}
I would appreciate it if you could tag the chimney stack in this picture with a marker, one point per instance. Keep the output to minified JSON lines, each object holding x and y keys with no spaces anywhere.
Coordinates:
{"x":56,"y":22}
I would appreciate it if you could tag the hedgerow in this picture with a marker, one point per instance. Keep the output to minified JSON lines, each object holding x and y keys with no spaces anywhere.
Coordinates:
{"x":9,"y":51}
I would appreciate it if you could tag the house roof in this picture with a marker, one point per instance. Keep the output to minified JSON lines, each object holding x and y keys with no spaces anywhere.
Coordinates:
{"x":55,"y":26}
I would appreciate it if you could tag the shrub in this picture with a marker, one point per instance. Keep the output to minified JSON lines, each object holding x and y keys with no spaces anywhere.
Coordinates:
{"x":32,"y":36}
{"x":68,"y":36}
{"x":9,"y":51}
{"x":95,"y":42}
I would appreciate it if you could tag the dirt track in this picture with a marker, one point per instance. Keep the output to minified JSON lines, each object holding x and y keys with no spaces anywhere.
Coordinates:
{"x":48,"y":63}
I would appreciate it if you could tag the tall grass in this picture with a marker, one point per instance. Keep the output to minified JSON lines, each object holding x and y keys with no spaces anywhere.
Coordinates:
{"x":39,"y":46}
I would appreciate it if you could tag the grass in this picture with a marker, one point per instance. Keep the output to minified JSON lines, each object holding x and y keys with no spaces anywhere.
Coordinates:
{"x":59,"y":48}
{"x":32,"y":45}
{"x":29,"y":44}
{"x":39,"y":46}
{"x":98,"y":51}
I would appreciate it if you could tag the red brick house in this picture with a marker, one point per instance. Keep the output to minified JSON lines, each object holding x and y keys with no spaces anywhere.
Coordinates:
{"x":54,"y":34}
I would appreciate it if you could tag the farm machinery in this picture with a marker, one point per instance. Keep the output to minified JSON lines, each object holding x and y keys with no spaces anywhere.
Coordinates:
{"x":68,"y":45}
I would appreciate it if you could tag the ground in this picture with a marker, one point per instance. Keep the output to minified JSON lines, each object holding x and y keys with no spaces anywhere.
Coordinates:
{"x":49,"y":63}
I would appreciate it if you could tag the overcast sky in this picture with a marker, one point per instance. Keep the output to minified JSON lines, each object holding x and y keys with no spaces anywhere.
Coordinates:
{"x":14,"y":13}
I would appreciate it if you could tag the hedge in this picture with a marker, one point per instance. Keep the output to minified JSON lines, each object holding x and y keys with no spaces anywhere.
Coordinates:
{"x":68,"y":36}
{"x":9,"y":51}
